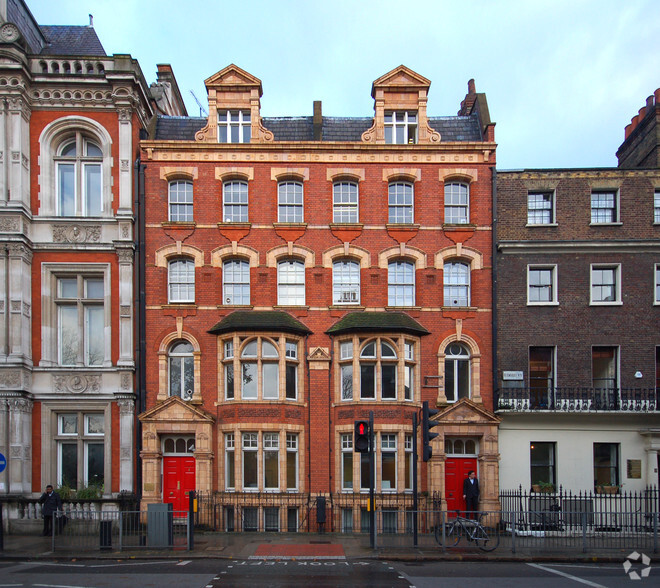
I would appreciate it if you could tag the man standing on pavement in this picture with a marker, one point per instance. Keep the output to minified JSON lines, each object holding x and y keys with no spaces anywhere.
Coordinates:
{"x":51,"y":503}
{"x":471,"y":494}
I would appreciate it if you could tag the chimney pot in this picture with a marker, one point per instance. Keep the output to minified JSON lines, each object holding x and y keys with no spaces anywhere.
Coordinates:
{"x":471,"y":87}
{"x":628,"y":130}
{"x":657,"y":96}
{"x":649,"y":103}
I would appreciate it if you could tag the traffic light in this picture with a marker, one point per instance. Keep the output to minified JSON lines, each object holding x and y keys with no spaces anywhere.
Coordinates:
{"x":361,"y":443}
{"x":427,"y":436}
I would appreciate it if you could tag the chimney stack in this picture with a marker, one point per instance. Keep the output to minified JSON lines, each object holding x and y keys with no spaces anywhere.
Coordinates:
{"x":317,"y":121}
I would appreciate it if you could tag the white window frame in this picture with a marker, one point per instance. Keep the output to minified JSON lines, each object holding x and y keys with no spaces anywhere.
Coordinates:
{"x":345,"y":202}
{"x":271,"y":445}
{"x":235,"y":201}
{"x":345,"y":282}
{"x":389,"y":445}
{"x":455,"y":359}
{"x":656,"y":206}
{"x":180,"y":357}
{"x":614,"y":208}
{"x":230,"y":460}
{"x":552,"y":269}
{"x":408,"y":462}
{"x":536,"y":208}
{"x":401,"y":211}
{"x":236,"y":282}
{"x":346,"y":444}
{"x":456,"y":282}
{"x":617,"y":285}
{"x":456,"y":211}
{"x":234,"y":119}
{"x":656,"y":284}
{"x":186,"y":281}
{"x":291,"y":282}
{"x":399,"y":287}
{"x":180,"y":201}
{"x":292,"y":446}
{"x":250,"y":447}
{"x":406,"y":121}
{"x":290,"y":202}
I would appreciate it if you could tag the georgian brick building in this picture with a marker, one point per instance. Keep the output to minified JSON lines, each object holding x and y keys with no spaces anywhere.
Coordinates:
{"x":69,"y":122}
{"x":301,"y":272}
{"x":578,"y":319}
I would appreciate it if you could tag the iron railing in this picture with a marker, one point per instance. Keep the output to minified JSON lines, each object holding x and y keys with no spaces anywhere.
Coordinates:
{"x":636,"y":400}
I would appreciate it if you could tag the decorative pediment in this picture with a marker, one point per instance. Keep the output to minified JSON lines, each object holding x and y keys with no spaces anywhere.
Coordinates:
{"x":399,"y":78}
{"x":174,"y":409}
{"x":319,"y":354}
{"x":234,"y":77}
{"x":466,"y":411}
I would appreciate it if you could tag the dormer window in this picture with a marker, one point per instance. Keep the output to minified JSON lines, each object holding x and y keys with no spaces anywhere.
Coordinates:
{"x":234,"y":126}
{"x":400,"y":127}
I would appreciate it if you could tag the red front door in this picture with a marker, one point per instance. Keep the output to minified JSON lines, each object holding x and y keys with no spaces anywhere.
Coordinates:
{"x":456,"y":470}
{"x":178,"y":480}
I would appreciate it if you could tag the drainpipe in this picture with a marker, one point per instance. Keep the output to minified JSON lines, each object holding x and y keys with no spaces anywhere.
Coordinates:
{"x":493,"y":172}
{"x":6,"y":345}
{"x":140,"y":306}
{"x":309,"y":425}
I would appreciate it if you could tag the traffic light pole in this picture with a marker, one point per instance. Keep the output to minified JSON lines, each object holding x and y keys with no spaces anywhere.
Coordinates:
{"x":372,"y":481}
{"x":414,"y":475}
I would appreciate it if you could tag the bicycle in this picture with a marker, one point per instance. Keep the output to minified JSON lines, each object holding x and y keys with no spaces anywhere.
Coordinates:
{"x":485,"y":538}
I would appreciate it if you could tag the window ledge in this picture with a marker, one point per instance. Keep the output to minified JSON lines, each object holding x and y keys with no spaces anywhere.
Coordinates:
{"x":178,"y":305}
{"x":540,"y":225}
{"x":390,"y":307}
{"x":352,"y":306}
{"x":460,"y":308}
{"x":236,"y":306}
{"x":402,"y":226}
{"x":291,"y":306}
{"x":615,"y":224}
{"x":615,"y":303}
{"x":353,"y":226}
{"x":178,"y":225}
{"x":234,"y":225}
{"x":543,"y":304}
{"x":279,"y":225}
{"x":459,"y":227}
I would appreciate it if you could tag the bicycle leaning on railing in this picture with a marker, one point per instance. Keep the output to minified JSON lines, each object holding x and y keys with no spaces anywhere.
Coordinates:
{"x":486,"y":538}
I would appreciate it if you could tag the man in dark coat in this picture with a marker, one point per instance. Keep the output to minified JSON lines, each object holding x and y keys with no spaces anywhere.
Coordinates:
{"x":471,"y":494}
{"x":51,"y":503}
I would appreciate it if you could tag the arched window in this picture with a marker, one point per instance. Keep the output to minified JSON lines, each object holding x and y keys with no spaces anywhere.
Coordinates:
{"x":235,"y":202}
{"x":401,"y":196}
{"x":236,"y":282}
{"x":457,"y":284}
{"x":457,"y":372}
{"x":181,"y":370}
{"x":79,"y":182}
{"x":181,"y":201}
{"x":345,"y":282}
{"x":378,"y":358}
{"x":291,"y":283}
{"x":181,"y":281}
{"x":290,"y":202}
{"x":401,"y":283}
{"x":345,"y":202}
{"x":457,"y":198}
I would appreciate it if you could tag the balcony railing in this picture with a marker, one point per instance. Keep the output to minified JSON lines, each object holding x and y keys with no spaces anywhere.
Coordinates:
{"x":635,"y":400}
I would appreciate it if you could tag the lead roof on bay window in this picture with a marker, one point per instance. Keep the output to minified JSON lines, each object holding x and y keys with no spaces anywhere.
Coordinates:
{"x":259,"y":320}
{"x":376,"y":322}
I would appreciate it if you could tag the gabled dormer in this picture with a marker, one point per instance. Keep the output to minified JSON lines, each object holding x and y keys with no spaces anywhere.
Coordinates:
{"x":234,"y":108}
{"x":400,"y":98}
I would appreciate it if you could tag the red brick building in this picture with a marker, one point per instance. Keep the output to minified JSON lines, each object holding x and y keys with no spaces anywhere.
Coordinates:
{"x":301,"y":272}
{"x":70,"y":118}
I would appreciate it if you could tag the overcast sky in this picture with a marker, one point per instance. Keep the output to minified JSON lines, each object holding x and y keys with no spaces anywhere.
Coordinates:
{"x":562,"y":77}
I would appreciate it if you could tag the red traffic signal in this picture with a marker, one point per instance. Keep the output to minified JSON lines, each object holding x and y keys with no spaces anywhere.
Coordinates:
{"x":361,"y":439}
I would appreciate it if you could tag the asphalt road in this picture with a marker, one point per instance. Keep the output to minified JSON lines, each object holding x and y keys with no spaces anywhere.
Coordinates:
{"x":208,"y":573}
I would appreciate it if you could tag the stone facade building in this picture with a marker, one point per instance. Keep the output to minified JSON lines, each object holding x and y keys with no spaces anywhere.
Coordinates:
{"x":578,"y":320}
{"x":301,"y":272}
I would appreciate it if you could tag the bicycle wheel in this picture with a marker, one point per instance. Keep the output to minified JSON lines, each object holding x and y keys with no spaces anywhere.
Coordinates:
{"x":452,"y":534}
{"x":486,"y":538}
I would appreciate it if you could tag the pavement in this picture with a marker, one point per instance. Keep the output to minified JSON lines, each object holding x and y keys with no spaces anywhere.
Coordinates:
{"x":300,"y":546}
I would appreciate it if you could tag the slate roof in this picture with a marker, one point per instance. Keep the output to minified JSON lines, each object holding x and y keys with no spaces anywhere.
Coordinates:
{"x":259,"y":320}
{"x":71,"y":40}
{"x":300,"y":128}
{"x":369,"y":321}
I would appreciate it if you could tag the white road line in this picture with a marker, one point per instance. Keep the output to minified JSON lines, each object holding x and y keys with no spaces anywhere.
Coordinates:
{"x":586,"y":567}
{"x":9,"y":585}
{"x":565,"y":575}
{"x":130,"y":563}
{"x":45,"y":563}
{"x":59,"y":586}
{"x":184,"y":563}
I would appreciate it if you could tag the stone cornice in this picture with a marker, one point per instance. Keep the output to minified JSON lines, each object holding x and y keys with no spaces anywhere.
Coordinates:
{"x":592,"y":246}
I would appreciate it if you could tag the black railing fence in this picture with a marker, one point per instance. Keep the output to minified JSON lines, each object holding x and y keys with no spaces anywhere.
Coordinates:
{"x":641,"y":400}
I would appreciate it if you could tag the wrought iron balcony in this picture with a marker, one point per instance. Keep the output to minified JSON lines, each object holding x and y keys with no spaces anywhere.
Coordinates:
{"x":635,"y":400}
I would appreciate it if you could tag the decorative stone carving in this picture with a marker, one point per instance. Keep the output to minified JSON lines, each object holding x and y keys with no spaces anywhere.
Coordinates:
{"x":125,"y":255}
{"x":15,"y":306}
{"x":9,"y":33}
{"x":125,"y":453}
{"x":124,"y":310}
{"x":125,"y":231}
{"x":76,"y":383}
{"x":15,"y":451}
{"x":126,"y":381}
{"x":126,"y":406}
{"x":20,"y":405}
{"x":20,"y":250}
{"x":10,"y":224}
{"x":76,"y":233}
{"x":124,"y":114}
{"x":26,"y":309}
{"x":125,"y":165}
{"x":150,"y":436}
{"x":10,"y":379}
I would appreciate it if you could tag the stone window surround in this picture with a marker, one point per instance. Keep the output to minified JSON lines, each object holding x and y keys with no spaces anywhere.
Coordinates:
{"x":475,"y":367}
{"x":50,"y":438}
{"x":397,"y":341}
{"x":50,"y":140}
{"x":50,"y":272}
{"x":163,"y":365}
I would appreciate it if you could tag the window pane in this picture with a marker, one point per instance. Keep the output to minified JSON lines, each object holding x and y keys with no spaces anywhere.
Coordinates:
{"x":229,"y":381}
{"x":268,"y":349}
{"x":93,"y":289}
{"x":68,"y":288}
{"x":69,"y":335}
{"x":94,"y":334}
{"x":67,"y":189}
{"x":175,"y":376}
{"x":68,"y":424}
{"x":270,"y":383}
{"x":69,"y":464}
{"x":347,"y":470}
{"x":291,"y":470}
{"x":542,"y":462}
{"x":365,"y":475}
{"x":368,"y":381}
{"x":408,"y":382}
{"x":271,"y":469}
{"x":94,"y":464}
{"x":388,"y":374}
{"x":388,"y":471}
{"x":188,"y":377}
{"x":249,"y":388}
{"x":250,"y":469}
{"x":291,"y":381}
{"x":229,"y":470}
{"x":93,"y":189}
{"x":95,"y":424}
{"x":463,"y":379}
{"x":347,"y":382}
